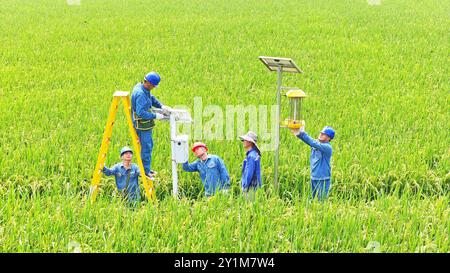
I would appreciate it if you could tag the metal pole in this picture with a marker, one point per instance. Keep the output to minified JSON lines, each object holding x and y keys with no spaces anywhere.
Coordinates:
{"x":175,"y":178}
{"x":173,"y":129}
{"x":277,"y":134}
{"x":294,"y":101}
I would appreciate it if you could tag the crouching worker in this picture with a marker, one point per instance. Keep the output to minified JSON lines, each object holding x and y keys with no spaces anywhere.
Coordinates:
{"x":251,"y":168}
{"x":320,"y":159}
{"x":126,"y":174}
{"x":213,"y":173}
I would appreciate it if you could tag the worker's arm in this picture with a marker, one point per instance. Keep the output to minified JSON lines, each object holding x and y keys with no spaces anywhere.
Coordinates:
{"x":192,"y":167}
{"x":137,"y":170}
{"x":224,"y":177}
{"x":141,"y":109}
{"x":156,"y":103}
{"x":108,"y":171}
{"x":248,"y":172}
{"x":326,"y":148}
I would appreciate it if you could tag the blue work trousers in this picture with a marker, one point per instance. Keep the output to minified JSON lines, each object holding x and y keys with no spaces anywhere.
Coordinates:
{"x":320,"y":188}
{"x":146,"y":140}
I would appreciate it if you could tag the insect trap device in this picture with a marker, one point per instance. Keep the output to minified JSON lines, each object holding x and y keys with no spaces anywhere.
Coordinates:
{"x":179,"y":143}
{"x":294,"y":95}
{"x":295,"y":100}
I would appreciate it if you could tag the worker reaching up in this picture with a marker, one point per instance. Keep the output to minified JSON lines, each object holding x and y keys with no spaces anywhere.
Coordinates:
{"x":320,"y":160}
{"x":142,"y":101}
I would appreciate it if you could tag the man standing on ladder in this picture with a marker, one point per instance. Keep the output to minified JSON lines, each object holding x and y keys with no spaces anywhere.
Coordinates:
{"x":144,"y":118}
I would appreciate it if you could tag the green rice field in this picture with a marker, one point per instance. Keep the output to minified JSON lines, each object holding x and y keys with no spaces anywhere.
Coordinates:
{"x":377,"y":71}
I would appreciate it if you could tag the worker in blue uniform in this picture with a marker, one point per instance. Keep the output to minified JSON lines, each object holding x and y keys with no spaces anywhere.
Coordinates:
{"x":320,"y":160}
{"x":212,"y":170}
{"x":142,"y":101}
{"x":126,"y":174}
{"x":251,"y":167}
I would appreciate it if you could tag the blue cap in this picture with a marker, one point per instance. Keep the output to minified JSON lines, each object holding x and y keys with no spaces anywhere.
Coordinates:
{"x":328,"y":131}
{"x":125,"y":149}
{"x":153,"y":78}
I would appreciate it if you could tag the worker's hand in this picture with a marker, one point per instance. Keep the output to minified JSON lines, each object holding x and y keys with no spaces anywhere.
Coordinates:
{"x":302,"y":129}
{"x":166,"y":110}
{"x":295,"y":132}
{"x":159,"y":116}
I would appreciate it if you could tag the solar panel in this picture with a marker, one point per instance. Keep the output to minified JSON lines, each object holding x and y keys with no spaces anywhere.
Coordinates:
{"x":286,"y":64}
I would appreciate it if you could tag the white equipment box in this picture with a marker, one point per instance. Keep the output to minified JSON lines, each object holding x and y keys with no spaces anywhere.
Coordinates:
{"x":179,"y":144}
{"x":180,"y":148}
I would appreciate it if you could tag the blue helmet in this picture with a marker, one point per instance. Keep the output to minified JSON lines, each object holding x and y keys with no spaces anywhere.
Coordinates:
{"x":328,"y":131}
{"x":153,"y":78}
{"x":124,"y":150}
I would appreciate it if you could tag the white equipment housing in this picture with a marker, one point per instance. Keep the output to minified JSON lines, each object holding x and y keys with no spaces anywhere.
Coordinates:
{"x":180,"y":149}
{"x":179,"y":143}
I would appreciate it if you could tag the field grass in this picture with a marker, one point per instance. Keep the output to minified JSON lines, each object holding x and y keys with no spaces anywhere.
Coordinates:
{"x":379,"y":74}
{"x":225,"y":224}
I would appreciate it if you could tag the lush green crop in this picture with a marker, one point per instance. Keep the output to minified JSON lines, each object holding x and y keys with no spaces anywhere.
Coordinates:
{"x":377,"y":73}
{"x":225,"y":224}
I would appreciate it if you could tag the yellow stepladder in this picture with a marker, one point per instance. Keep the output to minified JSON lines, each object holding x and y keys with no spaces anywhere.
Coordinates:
{"x":148,"y":183}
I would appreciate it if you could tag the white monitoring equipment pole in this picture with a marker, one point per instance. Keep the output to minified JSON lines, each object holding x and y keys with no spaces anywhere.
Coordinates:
{"x":179,"y":143}
{"x":279,"y":65}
